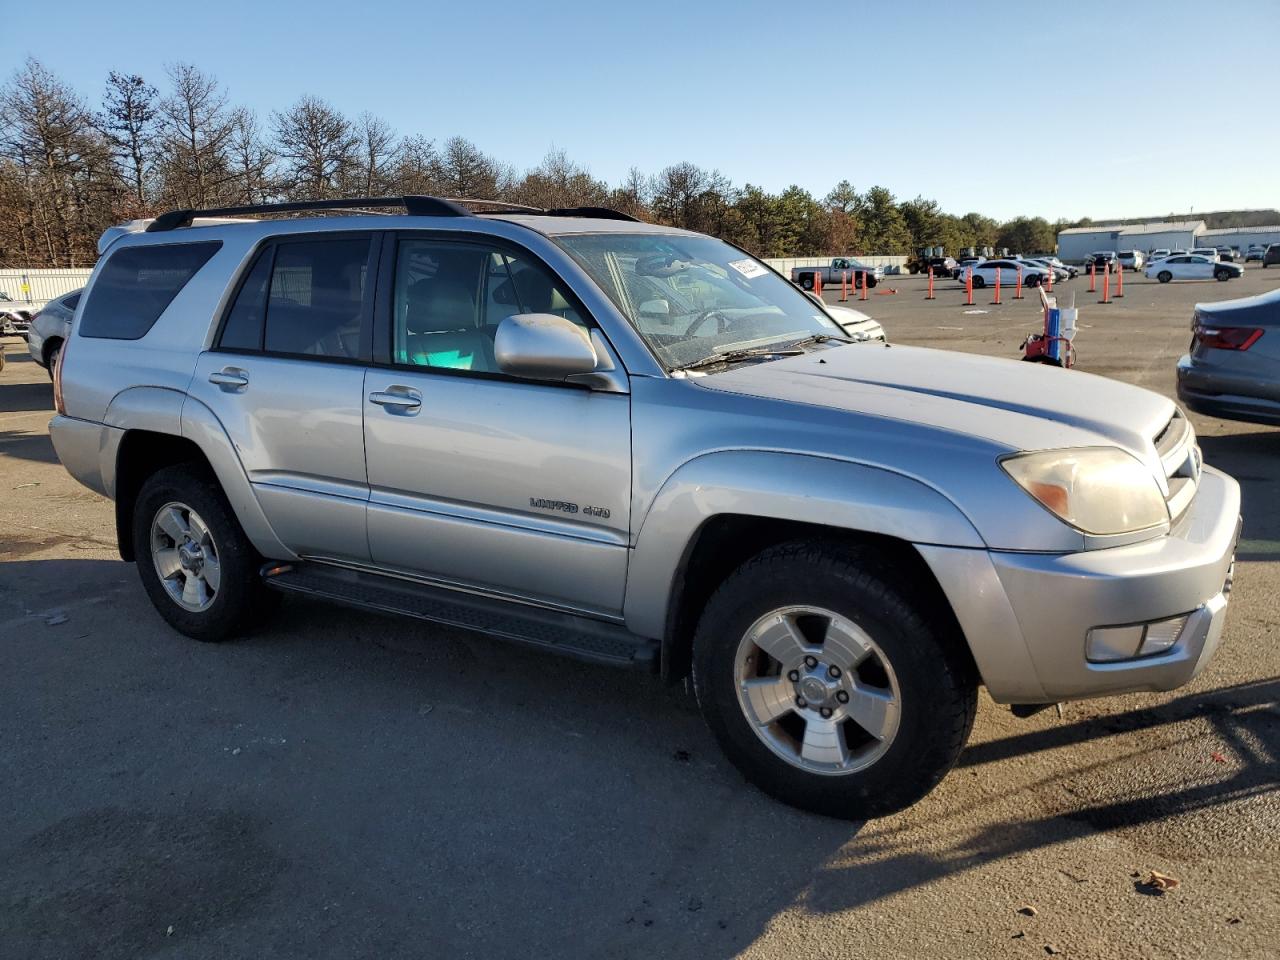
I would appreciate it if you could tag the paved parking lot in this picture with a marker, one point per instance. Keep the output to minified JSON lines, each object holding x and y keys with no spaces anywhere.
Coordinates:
{"x":348,"y":785}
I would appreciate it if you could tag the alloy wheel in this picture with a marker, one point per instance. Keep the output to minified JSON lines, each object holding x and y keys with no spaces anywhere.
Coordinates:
{"x":817,"y":690}
{"x":185,"y":556}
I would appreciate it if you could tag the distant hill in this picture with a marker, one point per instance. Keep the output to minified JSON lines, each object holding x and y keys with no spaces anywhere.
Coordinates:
{"x":1214,"y":220}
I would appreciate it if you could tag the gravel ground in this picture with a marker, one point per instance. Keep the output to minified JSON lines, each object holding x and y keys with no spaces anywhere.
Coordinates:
{"x":343,"y":784}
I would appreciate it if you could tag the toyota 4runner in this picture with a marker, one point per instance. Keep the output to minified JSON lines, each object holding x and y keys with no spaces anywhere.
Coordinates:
{"x":638,"y":445}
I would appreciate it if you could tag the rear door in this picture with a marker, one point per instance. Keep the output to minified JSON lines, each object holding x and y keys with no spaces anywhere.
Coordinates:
{"x":286,"y":379}
{"x":479,"y":480}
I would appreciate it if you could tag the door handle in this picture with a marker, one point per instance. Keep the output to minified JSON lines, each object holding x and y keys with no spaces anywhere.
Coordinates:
{"x":398,"y":400}
{"x":230,"y":378}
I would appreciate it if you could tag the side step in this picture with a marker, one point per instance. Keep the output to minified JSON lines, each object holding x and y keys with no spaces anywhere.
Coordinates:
{"x":565,"y":633}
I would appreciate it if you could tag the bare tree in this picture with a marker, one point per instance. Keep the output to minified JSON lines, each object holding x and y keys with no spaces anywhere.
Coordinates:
{"x":467,"y":172}
{"x":375,"y":145}
{"x":416,"y":167}
{"x":559,"y":182}
{"x":195,"y":128}
{"x":129,"y":122}
{"x":48,"y":134}
{"x":632,"y":195}
{"x":251,"y":159}
{"x":317,"y":146}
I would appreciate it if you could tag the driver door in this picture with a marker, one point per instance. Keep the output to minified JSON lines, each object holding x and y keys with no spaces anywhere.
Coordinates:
{"x":480,"y":480}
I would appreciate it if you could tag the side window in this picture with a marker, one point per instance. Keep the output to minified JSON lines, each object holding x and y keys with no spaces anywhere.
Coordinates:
{"x":135,"y":286}
{"x":243,"y":329}
{"x":450,"y":297}
{"x":315,"y":300}
{"x":71,"y":301}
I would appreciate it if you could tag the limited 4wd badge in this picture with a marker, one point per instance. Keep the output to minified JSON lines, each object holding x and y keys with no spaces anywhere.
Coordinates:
{"x":563,"y":506}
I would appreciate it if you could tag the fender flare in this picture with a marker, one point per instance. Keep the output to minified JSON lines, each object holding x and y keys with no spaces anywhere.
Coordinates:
{"x":840,"y":494}
{"x":201,"y":426}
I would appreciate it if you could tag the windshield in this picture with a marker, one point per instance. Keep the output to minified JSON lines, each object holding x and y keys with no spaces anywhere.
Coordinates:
{"x":693,"y":297}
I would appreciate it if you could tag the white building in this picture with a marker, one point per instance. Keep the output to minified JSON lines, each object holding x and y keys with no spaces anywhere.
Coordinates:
{"x":1077,"y":243}
{"x":1240,"y":237}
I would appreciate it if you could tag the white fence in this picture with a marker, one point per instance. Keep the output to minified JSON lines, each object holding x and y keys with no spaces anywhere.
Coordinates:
{"x":784,"y":264}
{"x":35,"y":288}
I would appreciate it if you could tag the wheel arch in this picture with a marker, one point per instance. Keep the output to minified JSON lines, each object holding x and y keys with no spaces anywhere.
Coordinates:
{"x":720,"y":509}
{"x":157,"y":428}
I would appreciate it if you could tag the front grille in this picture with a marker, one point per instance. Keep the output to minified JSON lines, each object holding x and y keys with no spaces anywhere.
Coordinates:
{"x":1180,"y":457}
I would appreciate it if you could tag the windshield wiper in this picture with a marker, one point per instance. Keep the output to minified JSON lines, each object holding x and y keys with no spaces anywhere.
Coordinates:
{"x":733,"y":356}
{"x":821,"y":338}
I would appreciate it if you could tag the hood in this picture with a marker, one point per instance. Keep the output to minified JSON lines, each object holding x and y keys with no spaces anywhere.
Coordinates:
{"x":1023,"y":406}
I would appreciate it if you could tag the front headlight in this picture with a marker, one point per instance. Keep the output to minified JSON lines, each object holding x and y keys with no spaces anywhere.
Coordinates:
{"x":1100,"y":490}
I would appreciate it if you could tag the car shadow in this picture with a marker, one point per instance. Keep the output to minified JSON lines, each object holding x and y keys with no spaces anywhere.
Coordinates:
{"x":25,"y":397}
{"x":27,"y":446}
{"x":427,"y":775}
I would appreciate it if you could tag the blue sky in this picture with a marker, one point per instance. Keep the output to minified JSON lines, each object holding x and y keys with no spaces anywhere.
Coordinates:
{"x":932,"y":99}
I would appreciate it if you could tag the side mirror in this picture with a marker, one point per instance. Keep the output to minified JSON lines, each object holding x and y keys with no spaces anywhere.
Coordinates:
{"x":543,"y":346}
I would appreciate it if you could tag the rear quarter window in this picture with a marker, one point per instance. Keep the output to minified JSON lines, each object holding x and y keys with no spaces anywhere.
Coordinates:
{"x":135,"y":286}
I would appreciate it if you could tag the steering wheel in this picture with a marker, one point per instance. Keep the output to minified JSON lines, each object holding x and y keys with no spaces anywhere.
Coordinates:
{"x":722,"y":322}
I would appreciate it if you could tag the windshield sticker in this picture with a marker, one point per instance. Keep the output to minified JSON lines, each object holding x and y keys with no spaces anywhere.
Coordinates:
{"x":748,"y":268}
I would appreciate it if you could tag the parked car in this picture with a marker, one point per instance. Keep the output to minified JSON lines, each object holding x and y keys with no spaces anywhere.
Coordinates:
{"x":1059,"y":272}
{"x":1158,"y":254}
{"x":984,"y":273}
{"x":963,"y":263}
{"x":1226,"y":254}
{"x":1210,"y":252}
{"x":1072,"y":270}
{"x":519,"y":433}
{"x":856,"y":324}
{"x":49,"y":329}
{"x":1131,"y":260}
{"x":831,"y":274}
{"x":1103,"y":261}
{"x":1192,"y":267}
{"x":1272,"y":255}
{"x":15,"y":317}
{"x":1232,"y":368}
{"x":1255,"y":252}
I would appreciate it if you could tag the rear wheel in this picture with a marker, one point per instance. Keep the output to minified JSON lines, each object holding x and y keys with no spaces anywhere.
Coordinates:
{"x":806,"y":282}
{"x":1032,"y":281}
{"x":195,"y":562}
{"x":1221,"y":275}
{"x":825,"y":687}
{"x":979,"y":282}
{"x":52,"y":355}
{"x":1164,"y":276}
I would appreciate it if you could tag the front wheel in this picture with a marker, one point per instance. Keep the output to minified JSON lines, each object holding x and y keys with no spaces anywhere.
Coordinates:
{"x":1164,"y":276}
{"x":1221,"y":275}
{"x":979,"y":283}
{"x":194,"y":560}
{"x":1032,"y":281}
{"x":826,"y":688}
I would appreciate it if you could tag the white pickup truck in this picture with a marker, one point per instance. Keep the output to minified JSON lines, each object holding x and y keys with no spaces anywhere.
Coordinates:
{"x":839,"y":266}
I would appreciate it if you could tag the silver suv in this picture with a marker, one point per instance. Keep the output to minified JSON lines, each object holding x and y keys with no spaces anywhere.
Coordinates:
{"x":642,"y":446}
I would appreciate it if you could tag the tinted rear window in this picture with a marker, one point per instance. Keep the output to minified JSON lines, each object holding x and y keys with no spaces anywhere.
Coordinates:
{"x":136,"y":284}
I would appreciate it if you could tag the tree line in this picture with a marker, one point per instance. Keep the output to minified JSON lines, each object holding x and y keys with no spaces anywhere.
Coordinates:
{"x":70,"y":168}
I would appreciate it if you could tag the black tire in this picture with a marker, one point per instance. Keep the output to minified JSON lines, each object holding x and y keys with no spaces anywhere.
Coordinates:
{"x":240,"y":597}
{"x":51,"y":356}
{"x":1164,"y":276}
{"x":938,"y":691}
{"x":1221,"y":275}
{"x":806,"y":282}
{"x":1032,"y":281}
{"x":871,"y":281}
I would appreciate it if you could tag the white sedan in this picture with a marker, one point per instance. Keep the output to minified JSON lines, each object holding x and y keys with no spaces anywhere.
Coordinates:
{"x":984,"y":273}
{"x":1192,"y":266}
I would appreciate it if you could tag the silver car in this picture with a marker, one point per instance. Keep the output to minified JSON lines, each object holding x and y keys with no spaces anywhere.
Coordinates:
{"x":50,"y":328}
{"x":1232,"y":368}
{"x":14,"y":316}
{"x":640,"y":446}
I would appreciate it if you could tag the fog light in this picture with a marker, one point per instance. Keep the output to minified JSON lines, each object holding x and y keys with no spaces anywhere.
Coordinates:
{"x":1108,"y":644}
{"x":1162,"y":635}
{"x":1113,"y":643}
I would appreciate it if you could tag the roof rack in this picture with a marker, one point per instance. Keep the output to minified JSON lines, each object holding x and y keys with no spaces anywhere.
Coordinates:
{"x":417,"y":206}
{"x":414,"y":205}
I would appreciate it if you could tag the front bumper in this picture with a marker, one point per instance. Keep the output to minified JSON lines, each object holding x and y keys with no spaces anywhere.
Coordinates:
{"x":1027,"y":616}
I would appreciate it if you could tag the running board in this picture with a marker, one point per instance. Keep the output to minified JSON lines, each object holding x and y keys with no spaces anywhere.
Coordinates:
{"x":565,"y":633}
